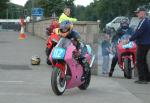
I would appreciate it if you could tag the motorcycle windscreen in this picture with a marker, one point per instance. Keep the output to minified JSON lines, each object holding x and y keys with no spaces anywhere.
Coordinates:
{"x":58,"y":53}
{"x":89,"y":49}
{"x":129,"y":45}
{"x":63,"y":43}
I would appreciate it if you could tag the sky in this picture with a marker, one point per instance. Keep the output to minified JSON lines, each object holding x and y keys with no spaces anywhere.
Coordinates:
{"x":77,"y":2}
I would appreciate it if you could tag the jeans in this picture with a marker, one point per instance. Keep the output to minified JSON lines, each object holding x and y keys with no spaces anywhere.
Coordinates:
{"x":105,"y":65}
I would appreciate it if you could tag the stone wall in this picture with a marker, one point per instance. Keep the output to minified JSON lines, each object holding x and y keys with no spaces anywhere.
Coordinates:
{"x":89,"y":31}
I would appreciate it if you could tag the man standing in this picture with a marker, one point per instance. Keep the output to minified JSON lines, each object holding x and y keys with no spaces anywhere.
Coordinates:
{"x":142,"y":38}
{"x":106,"y":51}
{"x":65,"y":16}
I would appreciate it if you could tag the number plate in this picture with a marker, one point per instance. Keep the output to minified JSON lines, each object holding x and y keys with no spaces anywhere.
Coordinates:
{"x":58,"y":53}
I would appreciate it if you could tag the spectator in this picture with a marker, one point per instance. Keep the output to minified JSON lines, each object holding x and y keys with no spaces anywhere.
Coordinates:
{"x":66,"y":16}
{"x":28,"y":19}
{"x":142,"y":38}
{"x":53,"y":25}
{"x":105,"y":52}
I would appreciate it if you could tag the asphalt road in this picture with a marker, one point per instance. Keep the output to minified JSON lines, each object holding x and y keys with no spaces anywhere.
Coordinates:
{"x":20,"y":82}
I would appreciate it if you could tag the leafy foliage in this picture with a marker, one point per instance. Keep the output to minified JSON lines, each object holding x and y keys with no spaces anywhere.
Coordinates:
{"x":3,"y":4}
{"x":106,"y":10}
{"x":10,"y":10}
{"x":50,"y":6}
{"x":3,"y":7}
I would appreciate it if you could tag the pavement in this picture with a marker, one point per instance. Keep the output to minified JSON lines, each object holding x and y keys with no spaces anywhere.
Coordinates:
{"x":20,"y":82}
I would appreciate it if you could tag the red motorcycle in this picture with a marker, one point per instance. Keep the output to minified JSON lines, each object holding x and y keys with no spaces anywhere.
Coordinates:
{"x":51,"y":42}
{"x":126,"y":56}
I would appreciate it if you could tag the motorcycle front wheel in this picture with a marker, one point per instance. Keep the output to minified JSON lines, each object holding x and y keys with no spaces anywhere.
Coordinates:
{"x":58,"y":84}
{"x":127,"y":68}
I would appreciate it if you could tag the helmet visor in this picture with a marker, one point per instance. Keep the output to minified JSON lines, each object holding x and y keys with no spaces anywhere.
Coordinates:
{"x":64,"y":30}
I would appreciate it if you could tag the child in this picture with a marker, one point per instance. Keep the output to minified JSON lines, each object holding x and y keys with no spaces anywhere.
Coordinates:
{"x":105,"y":52}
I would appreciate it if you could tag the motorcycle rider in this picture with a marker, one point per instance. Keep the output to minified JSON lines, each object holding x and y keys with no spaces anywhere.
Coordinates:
{"x":53,"y":25}
{"x":66,"y":31}
{"x":124,"y":29}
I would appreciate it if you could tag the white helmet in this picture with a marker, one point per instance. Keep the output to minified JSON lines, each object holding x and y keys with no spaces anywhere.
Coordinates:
{"x":35,"y":60}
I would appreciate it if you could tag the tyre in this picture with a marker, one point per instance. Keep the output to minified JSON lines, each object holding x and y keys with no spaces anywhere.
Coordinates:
{"x":86,"y":83}
{"x":58,"y":84}
{"x":127,"y":68}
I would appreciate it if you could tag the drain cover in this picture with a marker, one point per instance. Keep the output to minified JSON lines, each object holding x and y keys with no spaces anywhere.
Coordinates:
{"x":14,"y":67}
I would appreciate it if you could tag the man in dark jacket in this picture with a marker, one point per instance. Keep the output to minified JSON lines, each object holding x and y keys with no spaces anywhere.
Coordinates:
{"x":142,"y":38}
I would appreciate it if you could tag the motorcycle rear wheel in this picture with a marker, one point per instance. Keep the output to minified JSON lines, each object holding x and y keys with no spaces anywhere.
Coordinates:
{"x":58,"y":84}
{"x":127,"y":68}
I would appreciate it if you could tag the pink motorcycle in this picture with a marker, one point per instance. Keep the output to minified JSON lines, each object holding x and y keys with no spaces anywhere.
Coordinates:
{"x":67,"y":71}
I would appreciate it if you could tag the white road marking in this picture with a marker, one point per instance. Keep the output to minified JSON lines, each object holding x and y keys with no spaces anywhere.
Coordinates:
{"x":18,"y":94}
{"x":11,"y":81}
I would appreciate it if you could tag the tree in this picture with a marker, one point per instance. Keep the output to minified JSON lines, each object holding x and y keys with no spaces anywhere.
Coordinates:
{"x":28,"y":5}
{"x":106,"y":10}
{"x":11,"y":11}
{"x":3,"y":4}
{"x":50,"y":6}
{"x":79,"y":12}
{"x":56,"y":6}
{"x":3,"y":8}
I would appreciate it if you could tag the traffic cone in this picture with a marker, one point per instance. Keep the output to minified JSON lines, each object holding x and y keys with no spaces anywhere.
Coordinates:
{"x":22,"y":34}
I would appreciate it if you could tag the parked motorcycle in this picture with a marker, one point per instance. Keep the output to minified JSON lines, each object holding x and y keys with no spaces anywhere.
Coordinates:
{"x":126,"y":56}
{"x":67,"y":71}
{"x":51,"y":42}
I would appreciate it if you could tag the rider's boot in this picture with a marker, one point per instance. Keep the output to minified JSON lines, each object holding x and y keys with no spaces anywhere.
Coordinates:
{"x":111,"y":73}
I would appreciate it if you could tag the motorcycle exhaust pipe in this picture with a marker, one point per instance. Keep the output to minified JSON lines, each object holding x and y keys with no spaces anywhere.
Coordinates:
{"x":93,"y":58}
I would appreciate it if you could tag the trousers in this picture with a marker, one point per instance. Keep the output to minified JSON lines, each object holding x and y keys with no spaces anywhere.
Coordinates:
{"x":142,"y":66}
